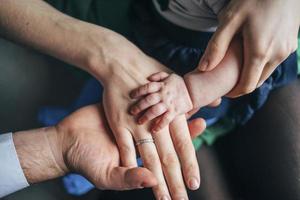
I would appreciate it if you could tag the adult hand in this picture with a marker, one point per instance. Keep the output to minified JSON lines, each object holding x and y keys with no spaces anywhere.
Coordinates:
{"x":83,"y":143}
{"x":121,"y":67}
{"x":88,"y":147}
{"x":269,"y":29}
{"x":173,"y":149}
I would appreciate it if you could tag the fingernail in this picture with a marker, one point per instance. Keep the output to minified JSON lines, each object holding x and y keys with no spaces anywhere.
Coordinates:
{"x":164,"y":198}
{"x":204,"y":65}
{"x":194,"y":184}
{"x":155,"y":130}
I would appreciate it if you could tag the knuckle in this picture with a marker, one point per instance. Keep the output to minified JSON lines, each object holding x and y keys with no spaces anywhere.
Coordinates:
{"x":158,"y":108}
{"x":227,"y":16}
{"x":168,"y":118}
{"x":282,"y":54}
{"x":260,"y":52}
{"x":140,"y":90}
{"x":182,"y":146}
{"x":169,"y":160}
{"x":150,"y":98}
{"x":151,"y":160}
{"x":134,"y":109}
{"x":138,"y":107}
{"x":214,"y":46}
{"x":147,"y":87}
{"x":246,"y":89}
{"x":125,"y":149}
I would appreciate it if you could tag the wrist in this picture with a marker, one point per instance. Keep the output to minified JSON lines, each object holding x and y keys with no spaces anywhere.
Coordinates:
{"x":193,"y":85}
{"x":40,"y":154}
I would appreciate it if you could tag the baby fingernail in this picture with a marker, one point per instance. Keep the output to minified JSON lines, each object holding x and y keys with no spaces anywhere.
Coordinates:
{"x":194,"y":184}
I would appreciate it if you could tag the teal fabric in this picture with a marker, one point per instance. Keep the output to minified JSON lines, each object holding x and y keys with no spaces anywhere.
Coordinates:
{"x":112,"y":14}
{"x":298,"y":54}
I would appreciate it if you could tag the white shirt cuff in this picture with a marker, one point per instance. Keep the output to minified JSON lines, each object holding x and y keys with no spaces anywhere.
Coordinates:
{"x":12,"y":177}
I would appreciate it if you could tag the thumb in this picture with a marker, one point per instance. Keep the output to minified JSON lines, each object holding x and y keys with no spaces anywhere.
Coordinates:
{"x":123,"y":178}
{"x":196,"y":127}
{"x":220,"y":41}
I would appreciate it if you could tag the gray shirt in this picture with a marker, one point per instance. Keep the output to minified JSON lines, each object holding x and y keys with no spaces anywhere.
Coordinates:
{"x":198,"y":15}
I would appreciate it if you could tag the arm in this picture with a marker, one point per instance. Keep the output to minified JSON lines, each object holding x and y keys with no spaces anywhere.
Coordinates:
{"x":82,"y":143}
{"x":167,"y":96}
{"x":205,"y":87}
{"x":121,"y":67}
{"x":36,"y":24}
{"x":269,"y":29}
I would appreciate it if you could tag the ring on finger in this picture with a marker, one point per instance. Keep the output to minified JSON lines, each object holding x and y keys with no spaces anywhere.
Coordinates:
{"x":144,"y":141}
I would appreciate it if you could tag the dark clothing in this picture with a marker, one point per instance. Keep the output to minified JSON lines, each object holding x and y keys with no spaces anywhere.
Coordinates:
{"x":180,"y":49}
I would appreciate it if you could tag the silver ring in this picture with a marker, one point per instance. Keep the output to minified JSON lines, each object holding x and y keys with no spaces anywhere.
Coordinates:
{"x":144,"y":141}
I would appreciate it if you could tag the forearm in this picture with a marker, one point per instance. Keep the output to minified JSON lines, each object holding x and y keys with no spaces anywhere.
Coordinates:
{"x":206,"y":87}
{"x":38,"y":25}
{"x":40,"y":154}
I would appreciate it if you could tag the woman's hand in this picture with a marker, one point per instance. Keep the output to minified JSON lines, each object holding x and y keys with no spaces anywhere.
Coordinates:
{"x":172,"y":154}
{"x":269,"y":29}
{"x":121,"y":67}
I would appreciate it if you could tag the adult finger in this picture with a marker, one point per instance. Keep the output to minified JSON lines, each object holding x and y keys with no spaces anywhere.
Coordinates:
{"x":215,"y":103}
{"x":146,"y":89}
{"x":158,"y":76}
{"x":170,"y":164}
{"x":196,"y":127}
{"x":164,"y":120}
{"x":145,"y":103}
{"x":186,"y":152}
{"x":266,"y":73}
{"x":151,"y":161}
{"x":220,"y":41}
{"x":251,"y":71}
{"x":152,"y":113}
{"x":126,"y":147}
{"x":124,"y":178}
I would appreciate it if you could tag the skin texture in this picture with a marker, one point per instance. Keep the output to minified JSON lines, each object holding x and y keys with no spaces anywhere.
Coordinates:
{"x":176,"y":96}
{"x":82,"y":143}
{"x":173,"y":150}
{"x":167,"y":96}
{"x":120,"y":67}
{"x":269,"y":30}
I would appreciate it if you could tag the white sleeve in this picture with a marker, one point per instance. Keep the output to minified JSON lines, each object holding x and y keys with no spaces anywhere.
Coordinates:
{"x":12,"y":177}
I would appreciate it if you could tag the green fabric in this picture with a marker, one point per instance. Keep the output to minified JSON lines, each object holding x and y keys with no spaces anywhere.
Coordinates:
{"x":298,"y":54}
{"x":215,"y":131}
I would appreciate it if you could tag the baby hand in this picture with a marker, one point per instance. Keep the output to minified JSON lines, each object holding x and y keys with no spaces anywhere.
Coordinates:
{"x":164,"y":98}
